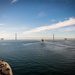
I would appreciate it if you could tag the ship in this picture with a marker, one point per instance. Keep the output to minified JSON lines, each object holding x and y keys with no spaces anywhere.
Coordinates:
{"x":5,"y":68}
{"x":42,"y":40}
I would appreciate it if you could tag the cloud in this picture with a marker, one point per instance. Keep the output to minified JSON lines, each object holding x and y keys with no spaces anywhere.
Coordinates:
{"x":3,"y":16}
{"x":70,"y":28}
{"x":69,"y":22}
{"x":41,"y":14}
{"x":1,"y":24}
{"x":52,"y":20}
{"x":14,"y":1}
{"x":19,"y":28}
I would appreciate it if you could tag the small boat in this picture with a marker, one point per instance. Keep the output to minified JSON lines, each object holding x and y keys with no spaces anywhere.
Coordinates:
{"x":42,"y":40}
{"x":5,"y":68}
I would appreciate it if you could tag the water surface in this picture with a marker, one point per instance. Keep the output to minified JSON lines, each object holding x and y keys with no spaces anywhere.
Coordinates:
{"x":39,"y":58}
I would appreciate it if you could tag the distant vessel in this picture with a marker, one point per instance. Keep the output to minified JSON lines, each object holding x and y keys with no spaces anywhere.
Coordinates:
{"x":2,"y":38}
{"x":42,"y":40}
{"x":5,"y":69}
{"x":65,"y":38}
{"x":16,"y":36}
{"x":53,"y":36}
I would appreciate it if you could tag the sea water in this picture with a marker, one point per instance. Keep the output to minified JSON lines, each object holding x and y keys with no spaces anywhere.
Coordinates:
{"x":31,"y":57}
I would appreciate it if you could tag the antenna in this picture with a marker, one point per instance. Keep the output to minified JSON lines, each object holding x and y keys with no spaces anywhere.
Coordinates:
{"x":16,"y":36}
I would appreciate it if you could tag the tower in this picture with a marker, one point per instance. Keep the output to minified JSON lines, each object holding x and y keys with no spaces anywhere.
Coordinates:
{"x":53,"y":36}
{"x":16,"y":36}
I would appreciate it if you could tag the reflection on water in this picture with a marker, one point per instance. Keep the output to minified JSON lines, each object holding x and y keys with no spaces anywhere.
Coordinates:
{"x":39,"y":58}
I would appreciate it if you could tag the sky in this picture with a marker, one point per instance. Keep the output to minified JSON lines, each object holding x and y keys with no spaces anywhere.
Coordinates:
{"x":36,"y":19}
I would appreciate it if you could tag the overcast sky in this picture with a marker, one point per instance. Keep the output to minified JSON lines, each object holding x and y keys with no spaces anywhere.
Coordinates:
{"x":37,"y":18}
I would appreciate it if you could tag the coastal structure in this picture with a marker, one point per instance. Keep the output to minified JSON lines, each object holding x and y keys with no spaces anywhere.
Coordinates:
{"x":16,"y":36}
{"x":53,"y":36}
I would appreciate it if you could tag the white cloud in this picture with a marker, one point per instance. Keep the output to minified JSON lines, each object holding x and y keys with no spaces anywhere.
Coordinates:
{"x":52,"y":20}
{"x":6,"y":35}
{"x":18,"y":28}
{"x":67,"y":29}
{"x":70,"y":29}
{"x":13,"y":1}
{"x":41,"y":14}
{"x":66,"y":18}
{"x":1,"y":24}
{"x":68,"y":22}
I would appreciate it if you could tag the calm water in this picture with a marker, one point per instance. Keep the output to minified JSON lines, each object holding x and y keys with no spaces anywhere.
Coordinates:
{"x":37,"y":58}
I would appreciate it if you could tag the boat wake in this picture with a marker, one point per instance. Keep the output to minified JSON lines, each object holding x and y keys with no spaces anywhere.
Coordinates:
{"x":30,"y":44}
